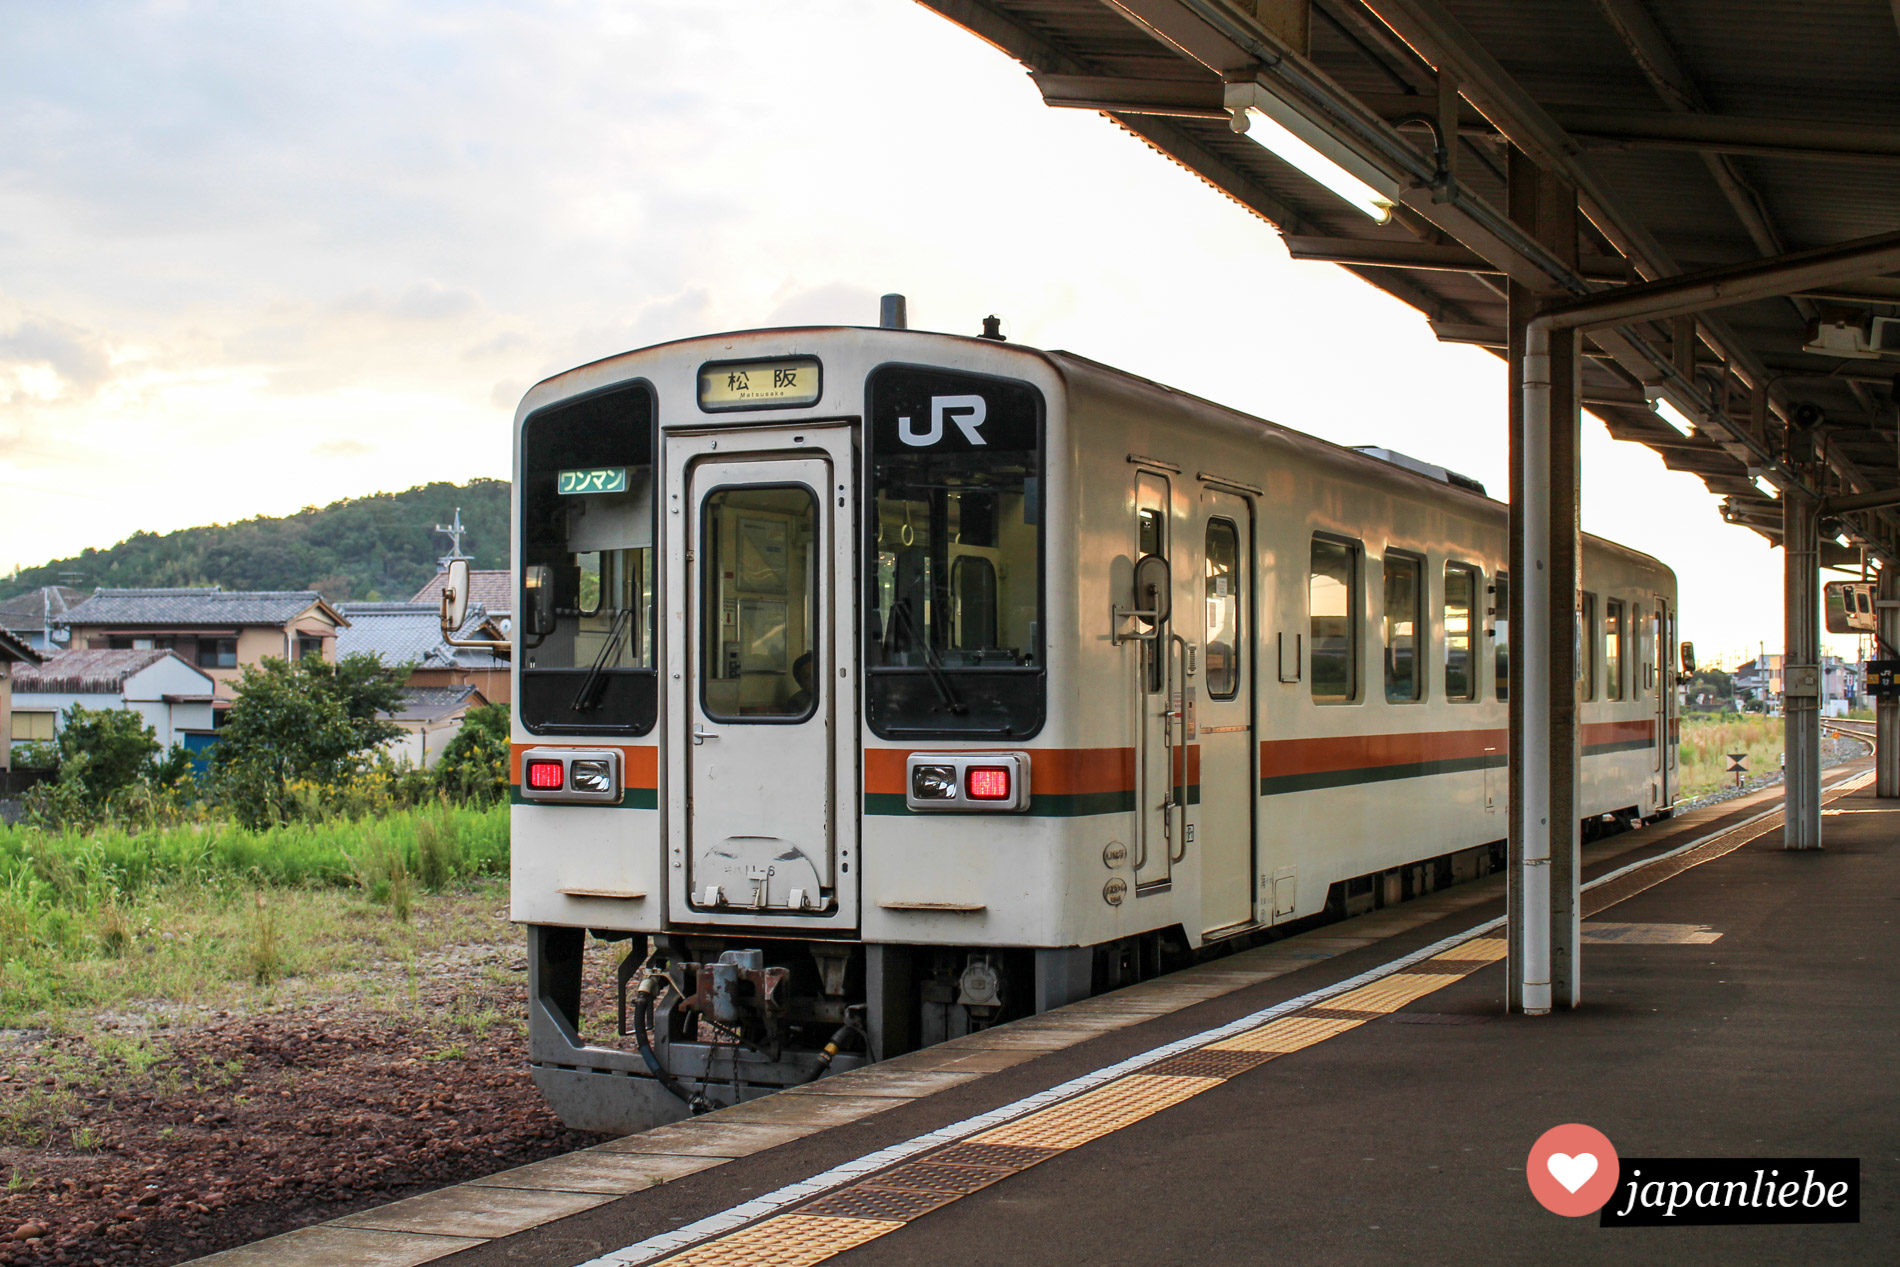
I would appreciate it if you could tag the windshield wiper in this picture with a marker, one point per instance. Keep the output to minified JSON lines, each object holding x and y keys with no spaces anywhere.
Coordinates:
{"x":587,"y":699}
{"x":938,"y":678}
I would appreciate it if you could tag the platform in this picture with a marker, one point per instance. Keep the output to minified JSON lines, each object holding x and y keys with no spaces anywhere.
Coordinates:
{"x":1352,"y":1094}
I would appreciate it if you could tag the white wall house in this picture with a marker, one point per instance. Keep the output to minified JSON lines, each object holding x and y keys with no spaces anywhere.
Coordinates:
{"x":430,"y":717}
{"x":173,"y":697}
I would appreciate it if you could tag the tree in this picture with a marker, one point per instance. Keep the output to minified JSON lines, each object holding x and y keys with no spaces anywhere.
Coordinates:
{"x":103,"y":751}
{"x":311,"y":721}
{"x":474,"y":767}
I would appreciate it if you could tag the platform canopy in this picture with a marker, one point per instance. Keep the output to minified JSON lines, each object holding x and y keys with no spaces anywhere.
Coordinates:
{"x":1696,"y":134}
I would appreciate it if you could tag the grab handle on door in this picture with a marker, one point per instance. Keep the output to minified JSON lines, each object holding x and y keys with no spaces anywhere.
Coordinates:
{"x":701,"y":736}
{"x":1176,"y":726}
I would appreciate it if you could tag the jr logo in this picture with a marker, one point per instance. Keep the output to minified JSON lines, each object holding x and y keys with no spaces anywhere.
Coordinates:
{"x":967,"y":412}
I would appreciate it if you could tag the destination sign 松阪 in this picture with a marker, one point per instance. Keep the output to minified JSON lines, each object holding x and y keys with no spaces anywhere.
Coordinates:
{"x":749,"y":384}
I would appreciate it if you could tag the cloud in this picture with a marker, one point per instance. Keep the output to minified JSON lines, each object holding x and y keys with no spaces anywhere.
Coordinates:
{"x":342,"y":449}
{"x":422,"y":301}
{"x":78,"y":357}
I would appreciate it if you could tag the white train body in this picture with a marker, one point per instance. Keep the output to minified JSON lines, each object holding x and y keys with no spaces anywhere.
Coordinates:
{"x":946,"y":532}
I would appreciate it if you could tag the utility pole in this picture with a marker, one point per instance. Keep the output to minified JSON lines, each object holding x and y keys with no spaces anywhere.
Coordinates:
{"x":453,"y":531}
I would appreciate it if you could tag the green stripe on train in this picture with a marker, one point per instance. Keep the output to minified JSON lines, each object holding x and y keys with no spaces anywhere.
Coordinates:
{"x":1041,"y":805}
{"x":635,"y":798}
{"x":1279,"y":785}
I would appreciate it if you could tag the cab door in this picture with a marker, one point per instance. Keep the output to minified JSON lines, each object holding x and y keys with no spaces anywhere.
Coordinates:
{"x":1224,"y":721}
{"x":761,"y":799}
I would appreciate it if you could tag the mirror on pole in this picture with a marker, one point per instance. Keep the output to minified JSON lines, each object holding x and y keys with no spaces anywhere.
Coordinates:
{"x":455,"y":596}
{"x":1850,"y":607}
{"x":1688,"y":659}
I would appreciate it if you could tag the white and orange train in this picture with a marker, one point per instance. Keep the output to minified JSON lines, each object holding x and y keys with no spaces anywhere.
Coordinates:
{"x":881,"y":684}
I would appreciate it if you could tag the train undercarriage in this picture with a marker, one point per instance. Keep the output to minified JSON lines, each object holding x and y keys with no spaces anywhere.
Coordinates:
{"x":702,"y":1022}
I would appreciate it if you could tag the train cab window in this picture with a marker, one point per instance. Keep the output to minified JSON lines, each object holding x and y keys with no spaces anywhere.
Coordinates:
{"x":1614,"y":631}
{"x":1223,"y":609}
{"x":1404,"y":616}
{"x":1461,"y":666}
{"x":1332,"y":598}
{"x":953,"y":603}
{"x":1587,"y":647}
{"x":1501,"y":634}
{"x":586,"y":604}
{"x":973,"y":591}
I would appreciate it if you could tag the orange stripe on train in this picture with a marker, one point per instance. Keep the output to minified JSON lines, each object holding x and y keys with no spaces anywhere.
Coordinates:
{"x":642,"y":764}
{"x":1052,"y":771}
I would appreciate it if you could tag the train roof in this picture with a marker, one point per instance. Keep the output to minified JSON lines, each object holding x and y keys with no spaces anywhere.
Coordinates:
{"x":1067,"y":364}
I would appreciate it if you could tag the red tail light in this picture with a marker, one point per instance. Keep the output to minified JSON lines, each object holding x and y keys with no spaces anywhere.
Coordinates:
{"x":546,"y":776}
{"x":986,"y":783}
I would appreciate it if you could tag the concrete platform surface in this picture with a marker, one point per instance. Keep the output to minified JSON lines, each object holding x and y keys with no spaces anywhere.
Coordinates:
{"x":1300,"y":1101}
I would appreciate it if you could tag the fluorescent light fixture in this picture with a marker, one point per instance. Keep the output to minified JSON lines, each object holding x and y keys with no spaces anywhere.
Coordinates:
{"x":1286,"y":133}
{"x":1674,"y":417}
{"x":1285,"y":145}
{"x":1767,"y":488}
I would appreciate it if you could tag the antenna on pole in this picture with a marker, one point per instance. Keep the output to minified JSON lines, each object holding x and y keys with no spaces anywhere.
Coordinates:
{"x":453,"y":531}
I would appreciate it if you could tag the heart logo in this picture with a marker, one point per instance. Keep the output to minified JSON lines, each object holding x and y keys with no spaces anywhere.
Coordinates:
{"x":1571,"y":1172}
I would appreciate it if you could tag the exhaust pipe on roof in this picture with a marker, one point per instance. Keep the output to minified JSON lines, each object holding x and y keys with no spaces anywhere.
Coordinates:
{"x":891,"y":314}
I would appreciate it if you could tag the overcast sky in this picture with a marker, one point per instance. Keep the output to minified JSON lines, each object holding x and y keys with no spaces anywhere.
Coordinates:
{"x":255,"y":257}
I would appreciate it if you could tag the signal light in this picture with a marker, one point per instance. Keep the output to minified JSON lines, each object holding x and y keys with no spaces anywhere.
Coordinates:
{"x":546,"y":776}
{"x":986,"y":783}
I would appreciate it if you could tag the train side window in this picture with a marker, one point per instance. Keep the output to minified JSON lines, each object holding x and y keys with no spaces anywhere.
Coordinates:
{"x":1332,"y":597}
{"x":1461,"y":668}
{"x":1587,"y":647}
{"x":1501,"y":632}
{"x":1613,"y":635}
{"x":1404,"y":617}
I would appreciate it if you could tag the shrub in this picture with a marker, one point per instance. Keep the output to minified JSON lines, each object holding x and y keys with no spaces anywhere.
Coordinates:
{"x":103,"y":751}
{"x":474,"y":767}
{"x":311,"y":722}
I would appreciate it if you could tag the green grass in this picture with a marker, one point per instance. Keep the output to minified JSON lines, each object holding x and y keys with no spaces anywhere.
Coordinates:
{"x":195,"y":914}
{"x":1707,"y":743}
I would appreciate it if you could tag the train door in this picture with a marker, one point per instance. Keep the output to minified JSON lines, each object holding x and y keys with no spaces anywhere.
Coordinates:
{"x":1665,"y":756}
{"x":1224,"y":723}
{"x":1160,"y":754}
{"x":761,"y":555}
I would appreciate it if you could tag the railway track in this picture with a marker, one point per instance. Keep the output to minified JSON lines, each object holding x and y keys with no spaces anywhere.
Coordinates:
{"x":1861,"y":730}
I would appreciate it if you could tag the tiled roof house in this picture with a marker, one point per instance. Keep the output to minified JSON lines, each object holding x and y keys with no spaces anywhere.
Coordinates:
{"x":492,"y":591}
{"x":218,"y":630}
{"x":411,"y":633}
{"x":172,"y":697}
{"x":33,"y":616}
{"x":14,"y":652}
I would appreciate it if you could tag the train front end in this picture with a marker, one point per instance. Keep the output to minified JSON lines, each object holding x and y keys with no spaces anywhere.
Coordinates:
{"x":781,"y":665}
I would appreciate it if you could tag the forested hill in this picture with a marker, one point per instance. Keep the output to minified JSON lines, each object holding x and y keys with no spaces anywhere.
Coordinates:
{"x":383,"y":546}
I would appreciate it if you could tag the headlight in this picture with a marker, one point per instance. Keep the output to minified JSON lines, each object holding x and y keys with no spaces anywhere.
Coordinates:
{"x":933,"y":782}
{"x":591,"y":776}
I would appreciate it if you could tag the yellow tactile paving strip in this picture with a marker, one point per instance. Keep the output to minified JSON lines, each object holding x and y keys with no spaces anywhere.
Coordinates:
{"x":1096,"y":1113}
{"x":787,"y":1240}
{"x":794,"y":1240}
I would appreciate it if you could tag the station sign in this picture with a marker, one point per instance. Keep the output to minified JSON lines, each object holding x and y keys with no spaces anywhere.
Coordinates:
{"x":1883,"y":677}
